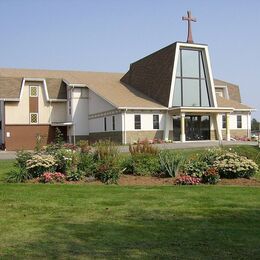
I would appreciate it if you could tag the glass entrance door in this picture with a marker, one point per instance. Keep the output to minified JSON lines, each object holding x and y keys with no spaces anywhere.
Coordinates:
{"x":197,"y":127}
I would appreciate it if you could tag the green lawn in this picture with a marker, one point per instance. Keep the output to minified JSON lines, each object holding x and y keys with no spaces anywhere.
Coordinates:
{"x":79,"y":221}
{"x":170,"y":222}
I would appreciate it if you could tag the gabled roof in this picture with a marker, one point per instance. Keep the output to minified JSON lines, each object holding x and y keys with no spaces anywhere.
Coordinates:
{"x":152,"y":75}
{"x":107,"y":85}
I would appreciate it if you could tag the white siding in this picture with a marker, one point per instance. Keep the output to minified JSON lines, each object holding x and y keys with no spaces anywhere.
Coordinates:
{"x":146,"y":120}
{"x":97,"y":124}
{"x":98,"y":104}
{"x":80,"y":112}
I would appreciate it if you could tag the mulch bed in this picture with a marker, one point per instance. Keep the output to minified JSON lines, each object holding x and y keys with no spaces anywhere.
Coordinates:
{"x":131,"y":180}
{"x":148,"y":180}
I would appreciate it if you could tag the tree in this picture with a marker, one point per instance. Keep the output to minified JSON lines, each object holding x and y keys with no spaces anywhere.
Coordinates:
{"x":255,"y":125}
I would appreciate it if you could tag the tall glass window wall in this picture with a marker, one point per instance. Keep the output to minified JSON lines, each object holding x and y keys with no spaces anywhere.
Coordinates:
{"x":191,"y":88}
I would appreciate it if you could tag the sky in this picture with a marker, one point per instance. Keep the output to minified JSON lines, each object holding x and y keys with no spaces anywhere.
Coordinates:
{"x":108,"y":35}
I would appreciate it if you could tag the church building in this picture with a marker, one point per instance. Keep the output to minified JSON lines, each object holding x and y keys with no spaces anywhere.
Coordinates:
{"x":169,"y":95}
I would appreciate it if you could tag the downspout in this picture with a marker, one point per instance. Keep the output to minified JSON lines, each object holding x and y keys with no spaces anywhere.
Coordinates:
{"x":125,"y":126}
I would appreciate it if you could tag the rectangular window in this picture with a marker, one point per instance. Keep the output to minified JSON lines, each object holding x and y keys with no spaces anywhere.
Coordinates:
{"x":113,"y":123}
{"x":105,"y":124}
{"x":239,"y":121}
{"x":155,"y":121}
{"x":33,"y":91}
{"x":33,"y":118}
{"x":224,"y":121}
{"x":137,"y":121}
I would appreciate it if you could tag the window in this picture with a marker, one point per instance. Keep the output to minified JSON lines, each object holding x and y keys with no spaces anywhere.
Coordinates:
{"x":69,"y":107}
{"x":239,"y":121}
{"x":219,"y":93}
{"x":224,"y":121}
{"x":137,"y":121}
{"x":155,"y":121}
{"x":33,"y":91}
{"x":113,"y":123}
{"x":191,"y":87}
{"x":33,"y":118}
{"x":105,"y":124}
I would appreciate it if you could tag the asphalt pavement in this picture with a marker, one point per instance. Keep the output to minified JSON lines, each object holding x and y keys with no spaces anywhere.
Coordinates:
{"x":8,"y":155}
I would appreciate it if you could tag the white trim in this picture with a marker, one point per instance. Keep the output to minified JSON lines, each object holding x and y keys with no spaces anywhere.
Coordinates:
{"x":61,"y":123}
{"x":195,"y":109}
{"x":176,"y":58}
{"x":208,"y":70}
{"x":144,"y":108}
{"x":225,"y":88}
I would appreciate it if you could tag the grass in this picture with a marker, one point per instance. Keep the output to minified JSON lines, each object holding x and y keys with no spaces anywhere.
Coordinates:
{"x":113,"y":222}
{"x":79,"y":222}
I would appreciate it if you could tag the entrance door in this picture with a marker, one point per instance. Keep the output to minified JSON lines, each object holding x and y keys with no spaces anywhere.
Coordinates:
{"x":197,"y":127}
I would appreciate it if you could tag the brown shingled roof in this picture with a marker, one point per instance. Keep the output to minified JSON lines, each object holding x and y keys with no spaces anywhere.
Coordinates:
{"x":152,"y":75}
{"x":233,"y":90}
{"x":107,"y":85}
{"x":223,"y":102}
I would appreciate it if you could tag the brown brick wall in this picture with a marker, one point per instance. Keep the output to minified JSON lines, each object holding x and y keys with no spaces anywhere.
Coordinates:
{"x":24,"y":136}
{"x":132,"y":136}
{"x":33,"y":104}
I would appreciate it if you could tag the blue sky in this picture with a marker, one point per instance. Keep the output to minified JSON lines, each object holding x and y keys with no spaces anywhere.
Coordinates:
{"x":107,"y":35}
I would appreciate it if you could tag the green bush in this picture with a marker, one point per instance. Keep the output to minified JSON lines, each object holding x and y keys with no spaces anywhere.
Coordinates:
{"x":40,"y":163}
{"x":18,"y":175}
{"x":21,"y":159}
{"x":209,"y":156}
{"x":196,"y":168}
{"x":127,"y":165}
{"x":211,"y":176}
{"x":75,"y":175}
{"x":171,"y":163}
{"x":87,"y":164}
{"x":108,"y":171}
{"x":67,"y":160}
{"x":231,"y":165}
{"x":145,"y":164}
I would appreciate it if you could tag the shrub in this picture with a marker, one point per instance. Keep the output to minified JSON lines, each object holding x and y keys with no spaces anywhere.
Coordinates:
{"x":105,"y":149}
{"x":171,"y":163}
{"x":75,"y":175}
{"x":231,"y":165}
{"x":84,"y":146}
{"x":187,"y":180}
{"x":21,"y":159}
{"x":40,"y":163}
{"x":19,"y":175}
{"x":196,"y":168}
{"x":87,"y":164}
{"x":67,"y":160}
{"x":211,"y":176}
{"x":209,"y":156}
{"x":108,"y":171}
{"x":50,"y":177}
{"x":145,"y":164}
{"x":143,"y":148}
{"x":127,"y":165}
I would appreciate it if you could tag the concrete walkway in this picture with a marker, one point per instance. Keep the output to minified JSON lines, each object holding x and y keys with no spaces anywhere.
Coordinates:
{"x":189,"y":145}
{"x":7,"y":155}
